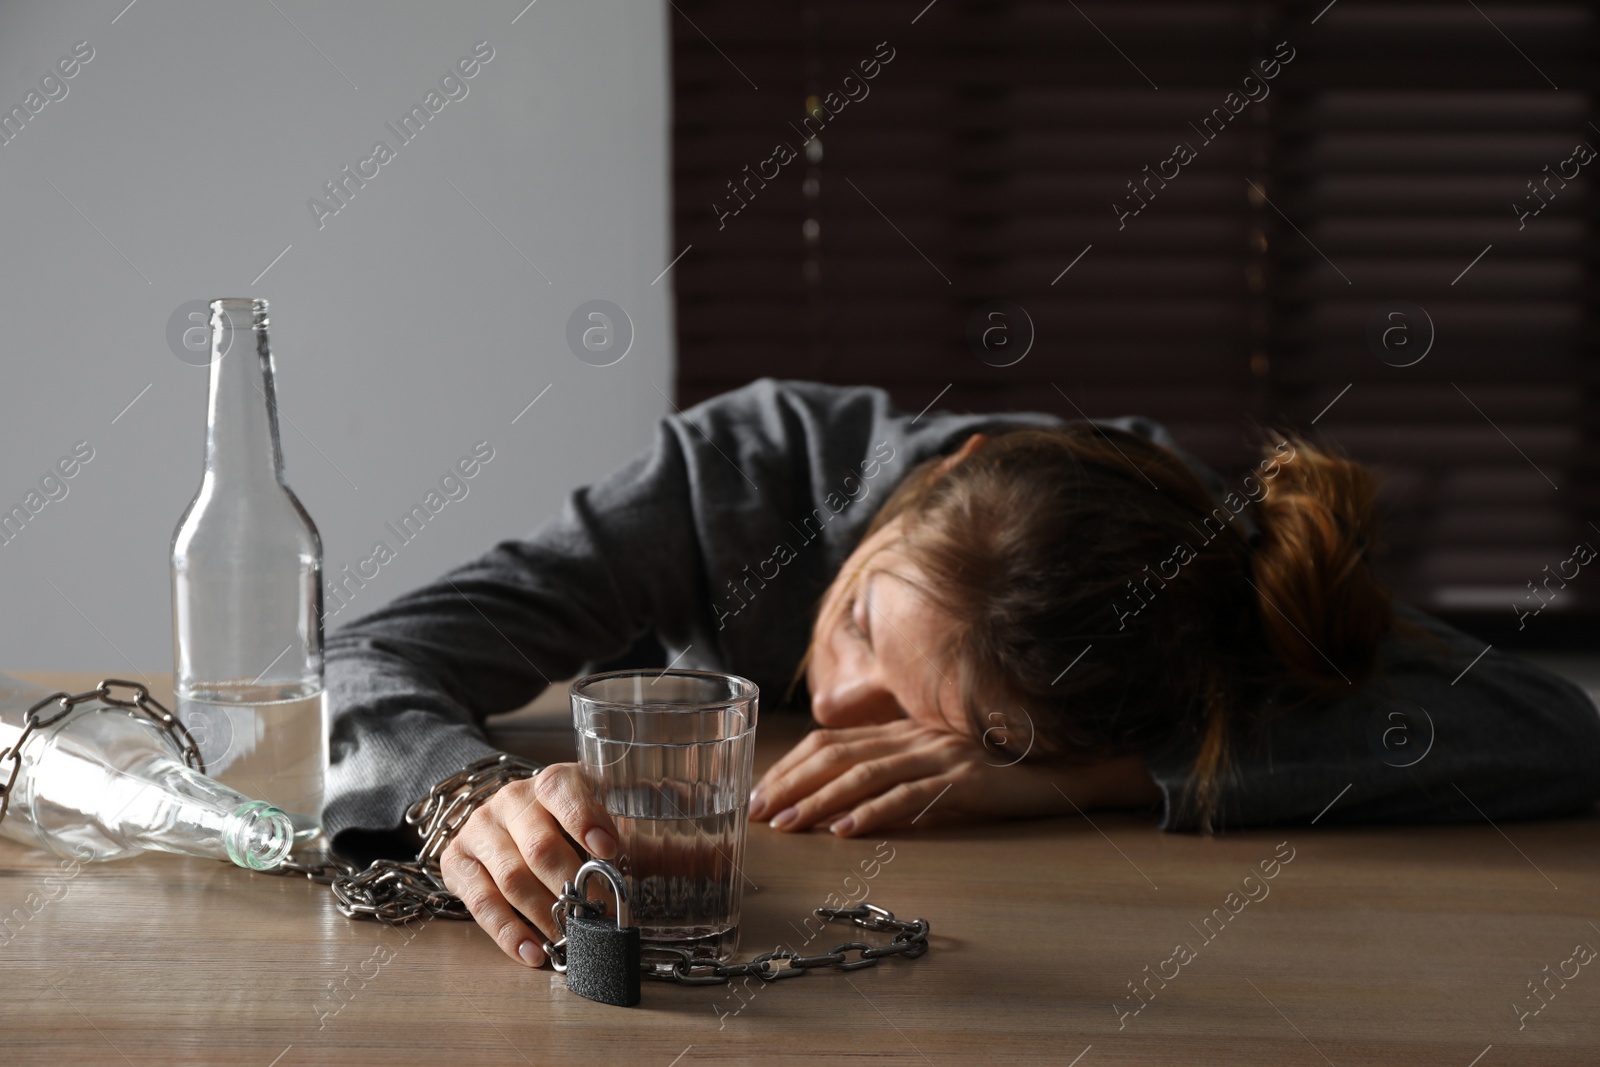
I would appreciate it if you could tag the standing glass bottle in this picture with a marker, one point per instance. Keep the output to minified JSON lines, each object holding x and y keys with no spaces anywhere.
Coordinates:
{"x":247,"y":591}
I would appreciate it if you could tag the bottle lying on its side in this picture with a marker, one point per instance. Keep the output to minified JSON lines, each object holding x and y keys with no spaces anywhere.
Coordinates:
{"x":95,"y":781}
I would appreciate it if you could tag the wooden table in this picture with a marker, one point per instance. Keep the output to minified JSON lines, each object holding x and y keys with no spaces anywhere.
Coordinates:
{"x":1370,"y":946}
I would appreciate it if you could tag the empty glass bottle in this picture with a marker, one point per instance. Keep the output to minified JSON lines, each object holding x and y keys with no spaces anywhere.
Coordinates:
{"x":247,"y":591}
{"x":98,"y":782}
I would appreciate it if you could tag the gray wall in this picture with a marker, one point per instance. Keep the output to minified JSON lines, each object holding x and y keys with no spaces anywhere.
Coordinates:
{"x":406,"y":327}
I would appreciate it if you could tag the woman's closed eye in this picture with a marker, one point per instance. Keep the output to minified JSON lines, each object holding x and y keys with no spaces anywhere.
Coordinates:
{"x":857,"y":626}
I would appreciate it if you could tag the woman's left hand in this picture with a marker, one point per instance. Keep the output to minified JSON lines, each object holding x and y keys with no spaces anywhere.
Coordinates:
{"x":867,"y":778}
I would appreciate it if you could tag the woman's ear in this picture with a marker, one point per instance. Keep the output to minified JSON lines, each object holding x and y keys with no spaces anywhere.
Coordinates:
{"x":968,"y":447}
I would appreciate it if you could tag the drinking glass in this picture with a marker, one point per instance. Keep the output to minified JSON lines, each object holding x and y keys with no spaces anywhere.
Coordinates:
{"x":670,"y":754}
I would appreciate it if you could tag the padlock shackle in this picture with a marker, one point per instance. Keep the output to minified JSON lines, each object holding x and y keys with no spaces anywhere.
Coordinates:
{"x":618,"y":887}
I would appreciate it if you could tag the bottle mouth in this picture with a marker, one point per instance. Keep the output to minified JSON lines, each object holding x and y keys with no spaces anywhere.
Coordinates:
{"x":258,"y":836}
{"x":236,"y":311}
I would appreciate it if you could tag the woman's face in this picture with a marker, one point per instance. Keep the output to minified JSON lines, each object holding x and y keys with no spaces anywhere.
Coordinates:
{"x":880,"y":649}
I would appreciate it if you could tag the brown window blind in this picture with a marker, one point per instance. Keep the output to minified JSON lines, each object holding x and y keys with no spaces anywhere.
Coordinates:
{"x":1336,"y":213}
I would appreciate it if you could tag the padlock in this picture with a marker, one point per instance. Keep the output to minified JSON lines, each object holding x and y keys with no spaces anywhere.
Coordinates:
{"x":603,"y":954}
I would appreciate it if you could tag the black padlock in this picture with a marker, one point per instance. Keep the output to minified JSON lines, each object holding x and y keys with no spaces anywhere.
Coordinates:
{"x":603,"y":954}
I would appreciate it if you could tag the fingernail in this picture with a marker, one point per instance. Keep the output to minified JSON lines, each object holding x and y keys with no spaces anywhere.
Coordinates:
{"x":600,"y":843}
{"x":530,"y":954}
{"x":784,"y":818}
{"x":758,"y":803}
{"x":844,"y":825}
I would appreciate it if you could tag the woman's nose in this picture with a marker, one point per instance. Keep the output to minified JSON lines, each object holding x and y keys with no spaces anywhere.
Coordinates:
{"x":855,"y":702}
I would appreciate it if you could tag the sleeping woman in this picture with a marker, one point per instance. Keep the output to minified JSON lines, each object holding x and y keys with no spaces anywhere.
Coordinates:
{"x":1014,"y":615}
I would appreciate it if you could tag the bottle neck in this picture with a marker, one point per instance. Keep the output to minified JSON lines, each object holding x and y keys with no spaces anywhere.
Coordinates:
{"x":102,"y":783}
{"x":193,"y":815}
{"x":242,"y":416}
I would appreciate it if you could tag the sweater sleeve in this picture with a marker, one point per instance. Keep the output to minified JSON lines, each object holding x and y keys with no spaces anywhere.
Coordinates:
{"x":410,"y":684}
{"x":1449,"y":731}
{"x":720,"y":537}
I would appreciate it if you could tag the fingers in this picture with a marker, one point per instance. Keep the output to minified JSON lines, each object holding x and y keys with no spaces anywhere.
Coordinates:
{"x":513,"y":855}
{"x":817,"y":760}
{"x":907,"y":802}
{"x":468,"y":878}
{"x":807,"y":746}
{"x":557,"y":804}
{"x":860,"y":781}
{"x":820,"y":737}
{"x":541,"y":859}
{"x":562,"y":792}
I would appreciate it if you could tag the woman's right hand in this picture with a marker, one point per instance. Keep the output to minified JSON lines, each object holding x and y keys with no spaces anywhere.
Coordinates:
{"x":514,"y":855}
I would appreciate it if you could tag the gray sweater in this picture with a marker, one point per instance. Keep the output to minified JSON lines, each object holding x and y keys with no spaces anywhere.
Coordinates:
{"x":722,"y":536}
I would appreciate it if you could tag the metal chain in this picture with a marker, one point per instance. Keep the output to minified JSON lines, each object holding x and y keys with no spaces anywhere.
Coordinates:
{"x":398,"y":891}
{"x":910,"y":940}
{"x":141,"y":702}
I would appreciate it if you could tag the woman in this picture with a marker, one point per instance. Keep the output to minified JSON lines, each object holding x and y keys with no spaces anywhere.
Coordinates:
{"x":1018,"y":617}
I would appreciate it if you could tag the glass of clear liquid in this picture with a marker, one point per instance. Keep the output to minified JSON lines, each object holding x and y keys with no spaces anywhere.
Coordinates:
{"x":670,"y":755}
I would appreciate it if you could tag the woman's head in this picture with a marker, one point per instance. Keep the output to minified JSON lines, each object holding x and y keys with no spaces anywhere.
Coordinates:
{"x":881,"y":648}
{"x":1076,"y":593}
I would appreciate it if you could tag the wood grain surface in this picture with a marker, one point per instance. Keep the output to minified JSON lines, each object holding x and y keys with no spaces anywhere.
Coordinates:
{"x":1365,"y":946}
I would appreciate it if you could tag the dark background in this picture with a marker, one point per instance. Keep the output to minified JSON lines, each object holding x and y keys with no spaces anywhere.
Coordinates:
{"x":989,"y":152}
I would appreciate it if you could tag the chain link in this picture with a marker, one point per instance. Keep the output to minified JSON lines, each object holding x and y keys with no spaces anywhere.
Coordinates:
{"x":395,"y":892}
{"x":682,"y":966}
{"x":141,"y":702}
{"x":399,"y":891}
{"x":390,"y":891}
